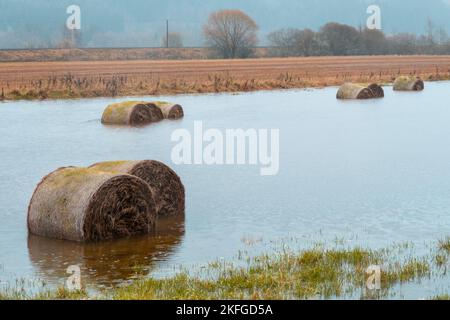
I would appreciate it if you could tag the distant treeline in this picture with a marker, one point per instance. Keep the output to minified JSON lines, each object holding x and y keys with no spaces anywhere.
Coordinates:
{"x":339,"y":40}
{"x":332,"y":39}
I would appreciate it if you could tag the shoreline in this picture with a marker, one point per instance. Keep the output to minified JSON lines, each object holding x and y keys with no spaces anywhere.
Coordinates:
{"x":320,"y":272}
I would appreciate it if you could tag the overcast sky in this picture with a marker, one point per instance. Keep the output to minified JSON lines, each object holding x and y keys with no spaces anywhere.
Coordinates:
{"x":40,"y":23}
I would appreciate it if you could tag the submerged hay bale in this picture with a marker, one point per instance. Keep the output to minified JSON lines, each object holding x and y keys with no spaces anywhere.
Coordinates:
{"x":354,"y":91}
{"x":156,"y":112}
{"x":132,"y":113}
{"x":169,"y":110}
{"x":406,"y":83}
{"x":88,"y":205}
{"x":166,"y":186}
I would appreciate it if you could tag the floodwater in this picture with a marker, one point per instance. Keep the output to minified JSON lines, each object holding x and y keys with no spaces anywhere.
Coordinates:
{"x":370,"y":173}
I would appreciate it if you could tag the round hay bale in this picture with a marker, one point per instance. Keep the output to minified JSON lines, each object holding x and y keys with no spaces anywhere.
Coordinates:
{"x":169,"y":110}
{"x":354,"y":91}
{"x":132,"y":113}
{"x":406,"y":83}
{"x":377,"y":90}
{"x":156,"y":112}
{"x":82,"y":204}
{"x":166,"y":186}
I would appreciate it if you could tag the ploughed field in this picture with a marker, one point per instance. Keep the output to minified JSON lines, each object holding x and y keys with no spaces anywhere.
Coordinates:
{"x":34,"y":80}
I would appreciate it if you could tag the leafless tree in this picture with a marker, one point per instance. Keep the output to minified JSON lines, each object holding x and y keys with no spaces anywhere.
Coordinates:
{"x":442,"y":36}
{"x":403,"y":43}
{"x":373,"y":42}
{"x":293,"y":42}
{"x":283,"y":42}
{"x":232,"y":33}
{"x":69,"y":39}
{"x":338,"y":39}
{"x":430,"y":32}
{"x":341,"y":39}
{"x":307,"y":42}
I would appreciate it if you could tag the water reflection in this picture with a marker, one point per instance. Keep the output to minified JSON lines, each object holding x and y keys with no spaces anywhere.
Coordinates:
{"x":367,"y":173}
{"x":108,"y":263}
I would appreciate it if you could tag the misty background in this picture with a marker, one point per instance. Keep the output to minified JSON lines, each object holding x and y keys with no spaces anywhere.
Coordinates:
{"x":142,"y":23}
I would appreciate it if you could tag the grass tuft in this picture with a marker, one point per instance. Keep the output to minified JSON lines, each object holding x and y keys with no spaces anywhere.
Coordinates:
{"x":317,"y":273}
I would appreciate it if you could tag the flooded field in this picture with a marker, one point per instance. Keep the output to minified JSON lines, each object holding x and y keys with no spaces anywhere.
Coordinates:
{"x":369,"y":173}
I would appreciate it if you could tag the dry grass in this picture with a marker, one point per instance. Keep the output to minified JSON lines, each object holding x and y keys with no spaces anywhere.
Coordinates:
{"x":75,"y":79}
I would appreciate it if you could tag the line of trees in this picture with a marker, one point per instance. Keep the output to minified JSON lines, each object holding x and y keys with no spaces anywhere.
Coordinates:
{"x":340,"y":40}
{"x":233,"y":34}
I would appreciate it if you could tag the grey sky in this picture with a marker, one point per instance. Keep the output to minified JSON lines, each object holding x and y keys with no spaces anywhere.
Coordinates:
{"x":40,"y":23}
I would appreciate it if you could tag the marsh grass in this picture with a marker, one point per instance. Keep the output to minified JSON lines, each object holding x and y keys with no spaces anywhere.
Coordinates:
{"x":69,"y":86}
{"x":444,"y":245}
{"x":442,"y":297}
{"x":316,"y":273}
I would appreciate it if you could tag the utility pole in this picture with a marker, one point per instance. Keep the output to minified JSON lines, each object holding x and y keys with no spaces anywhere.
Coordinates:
{"x":167,"y":33}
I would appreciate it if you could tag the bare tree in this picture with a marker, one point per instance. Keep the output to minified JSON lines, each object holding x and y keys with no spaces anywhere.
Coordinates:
{"x":338,"y":39}
{"x":430,"y":32}
{"x":373,"y":42}
{"x":293,"y":42}
{"x":283,"y":42}
{"x":69,"y":39}
{"x":231,"y":33}
{"x":341,"y":39}
{"x":403,"y":43}
{"x":442,"y":36}
{"x":307,"y":42}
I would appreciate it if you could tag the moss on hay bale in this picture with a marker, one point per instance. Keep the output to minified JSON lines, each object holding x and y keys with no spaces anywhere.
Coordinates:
{"x":82,"y":204}
{"x":169,"y":110}
{"x":407,"y":83}
{"x":166,"y":185}
{"x":132,"y":113}
{"x":360,"y":91}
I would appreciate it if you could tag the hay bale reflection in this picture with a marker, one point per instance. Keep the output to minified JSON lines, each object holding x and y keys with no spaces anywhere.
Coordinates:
{"x":108,"y":263}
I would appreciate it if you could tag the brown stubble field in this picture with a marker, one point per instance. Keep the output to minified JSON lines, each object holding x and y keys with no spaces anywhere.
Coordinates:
{"x":74,"y":79}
